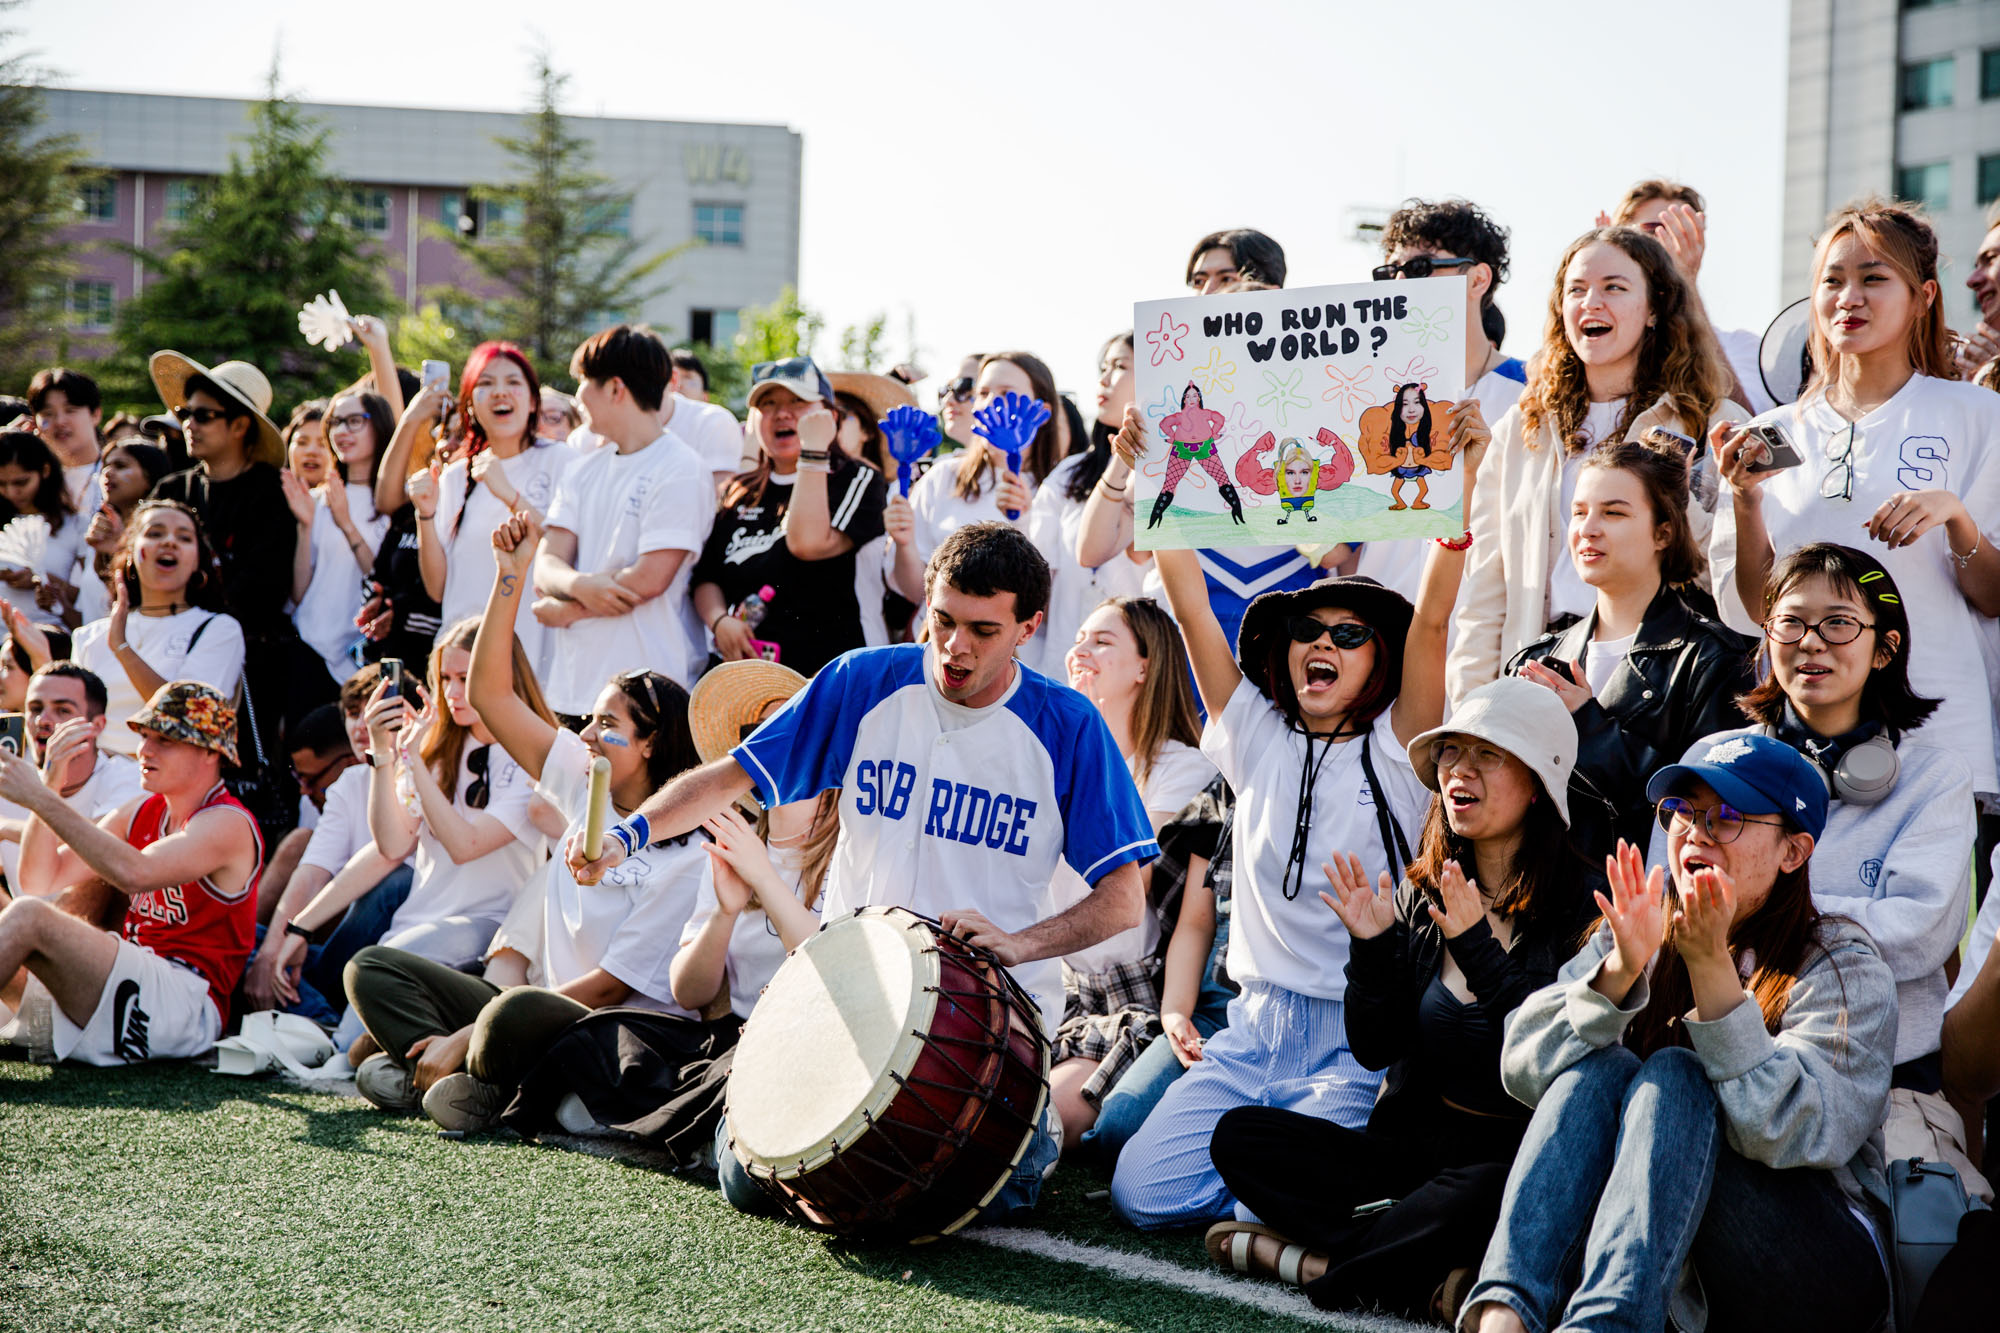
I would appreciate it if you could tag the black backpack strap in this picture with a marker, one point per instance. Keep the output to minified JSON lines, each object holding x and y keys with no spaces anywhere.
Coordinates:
{"x":1394,"y":845}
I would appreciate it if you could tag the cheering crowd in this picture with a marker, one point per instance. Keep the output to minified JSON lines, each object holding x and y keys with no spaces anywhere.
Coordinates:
{"x":1513,"y":930}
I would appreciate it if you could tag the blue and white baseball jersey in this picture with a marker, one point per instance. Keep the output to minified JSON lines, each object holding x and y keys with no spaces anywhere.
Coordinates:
{"x":944,"y":807}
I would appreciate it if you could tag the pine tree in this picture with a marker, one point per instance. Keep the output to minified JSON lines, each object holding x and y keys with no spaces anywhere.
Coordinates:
{"x":554,"y":243}
{"x":39,"y":198}
{"x":260,"y":241}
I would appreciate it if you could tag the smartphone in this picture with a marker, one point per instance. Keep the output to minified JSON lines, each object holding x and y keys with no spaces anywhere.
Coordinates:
{"x":14,"y":733}
{"x":1662,"y":437}
{"x":392,"y":674}
{"x":1779,"y":451}
{"x":436,"y":372}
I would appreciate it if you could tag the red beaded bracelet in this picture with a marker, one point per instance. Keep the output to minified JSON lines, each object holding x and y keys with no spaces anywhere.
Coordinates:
{"x":1455,"y":543}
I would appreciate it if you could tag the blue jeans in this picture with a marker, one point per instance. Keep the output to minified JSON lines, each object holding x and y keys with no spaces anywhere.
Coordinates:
{"x":1013,"y":1203}
{"x":1625,"y":1174}
{"x":321,"y":995}
{"x":1139,"y":1089}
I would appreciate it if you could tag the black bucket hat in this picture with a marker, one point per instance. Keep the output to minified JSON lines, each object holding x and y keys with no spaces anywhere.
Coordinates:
{"x":1385,"y":610}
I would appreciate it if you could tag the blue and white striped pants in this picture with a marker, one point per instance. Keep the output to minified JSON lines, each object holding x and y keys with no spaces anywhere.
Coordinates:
{"x":1279,"y":1049}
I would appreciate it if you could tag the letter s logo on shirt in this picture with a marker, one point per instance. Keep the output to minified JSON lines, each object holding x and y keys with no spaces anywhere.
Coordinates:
{"x":1923,"y":458}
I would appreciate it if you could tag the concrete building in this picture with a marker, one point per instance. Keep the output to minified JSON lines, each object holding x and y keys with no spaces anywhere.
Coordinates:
{"x":1897,"y":97}
{"x":735,"y":187}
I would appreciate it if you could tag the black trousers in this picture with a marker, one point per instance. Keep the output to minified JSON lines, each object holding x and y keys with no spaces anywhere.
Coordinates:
{"x":1305,"y":1177}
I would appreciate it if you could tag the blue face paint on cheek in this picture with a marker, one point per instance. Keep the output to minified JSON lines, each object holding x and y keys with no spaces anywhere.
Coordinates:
{"x":613,"y":738}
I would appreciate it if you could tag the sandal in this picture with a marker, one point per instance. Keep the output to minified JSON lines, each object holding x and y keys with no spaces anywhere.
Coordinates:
{"x":1230,"y":1245}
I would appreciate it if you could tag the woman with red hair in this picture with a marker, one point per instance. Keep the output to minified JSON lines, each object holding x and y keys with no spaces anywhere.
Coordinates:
{"x":502,"y":469}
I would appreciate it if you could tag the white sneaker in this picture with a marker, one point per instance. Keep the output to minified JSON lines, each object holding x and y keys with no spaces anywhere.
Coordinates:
{"x":464,"y":1104}
{"x":575,"y":1117}
{"x":385,"y":1084}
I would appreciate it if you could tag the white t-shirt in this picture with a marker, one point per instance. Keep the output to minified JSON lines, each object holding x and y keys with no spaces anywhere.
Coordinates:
{"x":1053,"y":523}
{"x":711,"y":430}
{"x":83,"y":483}
{"x":1568,"y":593}
{"x":624,"y":923}
{"x":468,"y":541}
{"x":163,"y":643}
{"x":1932,"y":435}
{"x":1400,"y":564}
{"x":1602,"y":657}
{"x":1177,"y":777}
{"x":941,"y":510}
{"x":1297,"y":943}
{"x":483,"y":888}
{"x":872,"y":563}
{"x":755,"y":951}
{"x":620,"y":507}
{"x":325,"y":616}
{"x":113,"y":780}
{"x":342,"y":828}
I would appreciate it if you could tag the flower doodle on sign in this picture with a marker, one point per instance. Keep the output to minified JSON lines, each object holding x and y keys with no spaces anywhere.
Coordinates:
{"x":1419,"y":371}
{"x":1347,"y":391}
{"x":1428,"y":327}
{"x":1154,"y":463}
{"x":1283,"y":395}
{"x":1215,"y":374}
{"x":1241,"y":427}
{"x":1166,"y":340}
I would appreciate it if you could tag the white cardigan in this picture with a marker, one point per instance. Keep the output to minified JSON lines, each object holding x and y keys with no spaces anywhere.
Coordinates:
{"x":1517,"y":536}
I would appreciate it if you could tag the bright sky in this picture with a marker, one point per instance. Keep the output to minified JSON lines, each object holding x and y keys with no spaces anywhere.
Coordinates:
{"x":1018,"y":175}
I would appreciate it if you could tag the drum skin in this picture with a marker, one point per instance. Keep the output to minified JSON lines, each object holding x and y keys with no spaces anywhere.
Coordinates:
{"x":948,"y":1119}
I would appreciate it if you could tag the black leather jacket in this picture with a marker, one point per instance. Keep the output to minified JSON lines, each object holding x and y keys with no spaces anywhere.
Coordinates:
{"x":1678,"y":683}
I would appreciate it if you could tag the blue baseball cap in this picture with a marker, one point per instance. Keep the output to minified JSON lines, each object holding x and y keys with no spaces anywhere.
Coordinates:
{"x":1759,"y":775}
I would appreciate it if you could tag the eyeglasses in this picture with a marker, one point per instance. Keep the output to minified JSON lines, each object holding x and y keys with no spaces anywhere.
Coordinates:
{"x":309,"y":782}
{"x":1841,"y":450}
{"x":201,"y":415}
{"x":476,"y":790}
{"x":1347,"y":634}
{"x":1722,"y":823}
{"x":352,"y":421}
{"x":1832,"y":631}
{"x":1483,"y":758}
{"x":959,"y":391}
{"x":1418,"y":266}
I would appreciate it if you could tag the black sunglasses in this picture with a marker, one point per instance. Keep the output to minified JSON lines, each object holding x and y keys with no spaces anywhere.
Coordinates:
{"x":203,"y":415}
{"x":476,"y":792}
{"x":958,"y":391}
{"x":1347,"y":634}
{"x":1420,"y":266}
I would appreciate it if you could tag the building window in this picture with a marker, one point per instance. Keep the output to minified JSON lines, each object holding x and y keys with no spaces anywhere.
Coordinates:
{"x":92,"y":304}
{"x":97,"y":199}
{"x":1929,"y":185}
{"x":368,"y":211}
{"x":458,"y":218}
{"x":719,"y":224}
{"x":613,"y":218}
{"x":717,"y":328}
{"x":183,"y":198}
{"x":500,"y":218}
{"x":1989,"y":178}
{"x":1989,"y":73}
{"x":1927,"y":83}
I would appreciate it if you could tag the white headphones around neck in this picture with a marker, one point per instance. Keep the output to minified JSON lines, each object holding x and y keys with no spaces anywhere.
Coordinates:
{"x":1862,"y":774}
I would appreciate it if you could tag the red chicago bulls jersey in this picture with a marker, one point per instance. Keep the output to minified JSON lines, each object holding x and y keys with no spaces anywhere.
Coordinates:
{"x":196,"y":924}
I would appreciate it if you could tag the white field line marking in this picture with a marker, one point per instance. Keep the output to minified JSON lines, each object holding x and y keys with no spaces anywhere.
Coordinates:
{"x":1265,"y":1296}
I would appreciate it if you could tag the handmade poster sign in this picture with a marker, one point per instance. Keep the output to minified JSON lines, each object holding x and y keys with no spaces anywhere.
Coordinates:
{"x":1319,"y":414}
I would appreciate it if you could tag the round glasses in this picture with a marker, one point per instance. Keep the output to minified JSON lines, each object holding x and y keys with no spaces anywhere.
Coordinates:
{"x":1347,"y":634}
{"x":1833,"y":630}
{"x":1722,"y":823}
{"x":1483,"y":758}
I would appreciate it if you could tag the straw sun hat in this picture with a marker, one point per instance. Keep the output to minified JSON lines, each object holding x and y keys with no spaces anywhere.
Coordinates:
{"x":239,"y":379}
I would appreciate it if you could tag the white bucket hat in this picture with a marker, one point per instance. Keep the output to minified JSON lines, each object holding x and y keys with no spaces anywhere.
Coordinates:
{"x":1526,"y":720}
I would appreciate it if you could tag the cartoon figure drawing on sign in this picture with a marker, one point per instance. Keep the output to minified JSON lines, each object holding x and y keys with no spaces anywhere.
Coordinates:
{"x":1299,"y":475}
{"x":1398,"y":440}
{"x":1191,"y":433}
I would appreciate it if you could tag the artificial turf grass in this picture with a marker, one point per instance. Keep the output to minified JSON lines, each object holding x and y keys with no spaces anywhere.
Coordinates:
{"x":173,"y":1198}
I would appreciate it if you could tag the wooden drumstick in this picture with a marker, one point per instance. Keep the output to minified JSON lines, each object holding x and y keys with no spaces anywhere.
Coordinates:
{"x":600,"y":807}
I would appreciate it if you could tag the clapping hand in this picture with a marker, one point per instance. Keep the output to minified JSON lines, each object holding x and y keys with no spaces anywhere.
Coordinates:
{"x":1707,"y":909}
{"x":1458,"y":907}
{"x":912,"y":434}
{"x":1365,"y":913}
{"x":743,"y":869}
{"x":1008,"y":424}
{"x":1637,"y":913}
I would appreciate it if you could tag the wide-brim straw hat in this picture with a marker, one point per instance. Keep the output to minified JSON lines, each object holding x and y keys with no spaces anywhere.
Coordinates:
{"x":882,"y":394}
{"x":1526,"y":720}
{"x":239,"y":379}
{"x":731,"y":700}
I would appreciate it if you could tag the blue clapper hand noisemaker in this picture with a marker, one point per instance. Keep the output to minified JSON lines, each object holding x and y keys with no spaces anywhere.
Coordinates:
{"x":912,"y":434}
{"x":1008,"y":423}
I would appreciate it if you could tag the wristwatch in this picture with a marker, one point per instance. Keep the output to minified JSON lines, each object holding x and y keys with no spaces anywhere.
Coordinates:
{"x":375,"y":760}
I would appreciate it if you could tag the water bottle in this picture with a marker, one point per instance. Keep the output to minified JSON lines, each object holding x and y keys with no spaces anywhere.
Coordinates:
{"x":753,"y":607}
